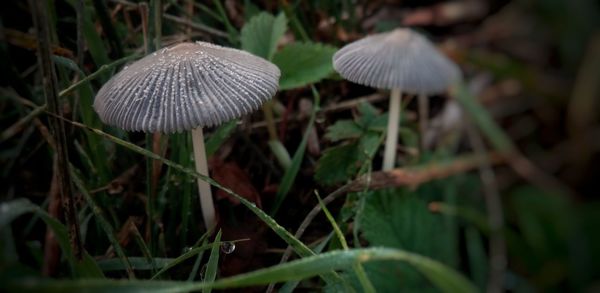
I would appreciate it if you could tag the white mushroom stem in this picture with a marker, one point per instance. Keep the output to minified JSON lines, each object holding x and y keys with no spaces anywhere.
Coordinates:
{"x":423,"y":117}
{"x":205,"y":194}
{"x":389,"y":154}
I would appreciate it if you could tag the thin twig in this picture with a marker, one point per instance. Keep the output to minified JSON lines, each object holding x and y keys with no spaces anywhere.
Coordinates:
{"x":50,"y":86}
{"x":498,"y":259}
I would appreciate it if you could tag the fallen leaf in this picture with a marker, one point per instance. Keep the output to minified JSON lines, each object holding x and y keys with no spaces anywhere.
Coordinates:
{"x":230,"y":175}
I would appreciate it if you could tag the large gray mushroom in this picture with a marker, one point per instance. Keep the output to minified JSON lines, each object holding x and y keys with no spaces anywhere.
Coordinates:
{"x":399,"y":60}
{"x":186,"y":87}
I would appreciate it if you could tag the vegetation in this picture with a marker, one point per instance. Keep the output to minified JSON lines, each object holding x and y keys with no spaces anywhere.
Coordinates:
{"x":497,"y":194}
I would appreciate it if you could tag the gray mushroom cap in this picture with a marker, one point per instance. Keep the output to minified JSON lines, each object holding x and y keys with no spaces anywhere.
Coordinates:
{"x":401,"y":59}
{"x":185,"y":86}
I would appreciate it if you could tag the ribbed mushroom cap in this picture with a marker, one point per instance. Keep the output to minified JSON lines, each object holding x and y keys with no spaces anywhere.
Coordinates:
{"x":401,"y":59}
{"x":185,"y":86}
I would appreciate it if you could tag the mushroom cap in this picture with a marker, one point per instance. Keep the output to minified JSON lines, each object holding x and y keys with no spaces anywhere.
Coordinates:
{"x":185,"y":86}
{"x":401,"y":58}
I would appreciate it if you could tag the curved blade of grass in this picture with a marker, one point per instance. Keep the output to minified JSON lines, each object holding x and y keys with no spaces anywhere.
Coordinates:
{"x":108,"y":229}
{"x":290,"y":174}
{"x":213,"y":263}
{"x":86,"y":268}
{"x":296,"y":244}
{"x":291,"y":285}
{"x":97,"y":73}
{"x":196,"y":266}
{"x":358,"y":268}
{"x":443,"y":277}
{"x":192,"y":252}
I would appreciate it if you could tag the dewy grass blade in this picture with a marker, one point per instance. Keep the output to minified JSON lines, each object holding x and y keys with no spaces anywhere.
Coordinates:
{"x":443,"y":277}
{"x":213,"y":262}
{"x":300,"y":247}
{"x":295,"y":243}
{"x":192,"y":252}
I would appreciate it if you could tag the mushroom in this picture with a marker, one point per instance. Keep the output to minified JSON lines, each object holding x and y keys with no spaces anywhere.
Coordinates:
{"x":186,"y":87}
{"x":400,"y":60}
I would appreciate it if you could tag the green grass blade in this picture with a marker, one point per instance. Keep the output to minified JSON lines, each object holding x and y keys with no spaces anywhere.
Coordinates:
{"x":290,"y":174}
{"x":196,"y":267}
{"x":296,"y":244}
{"x":443,"y":277}
{"x":192,"y":252}
{"x":291,"y":285}
{"x":213,"y":263}
{"x":103,"y":69}
{"x":358,"y":269}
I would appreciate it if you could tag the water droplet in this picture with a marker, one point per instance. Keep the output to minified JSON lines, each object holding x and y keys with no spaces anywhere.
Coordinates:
{"x":227,"y":247}
{"x":187,"y":249}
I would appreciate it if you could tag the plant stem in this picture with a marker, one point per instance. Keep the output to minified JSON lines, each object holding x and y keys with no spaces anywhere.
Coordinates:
{"x":268,"y":111}
{"x":423,"y":118}
{"x":50,"y":86}
{"x":205,"y":194}
{"x":389,"y":154}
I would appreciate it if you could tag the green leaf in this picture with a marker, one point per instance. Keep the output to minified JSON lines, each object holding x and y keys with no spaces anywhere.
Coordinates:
{"x":343,"y":129}
{"x":400,"y":219}
{"x":341,"y":163}
{"x":368,"y":113}
{"x":303,"y":63}
{"x":444,"y":278}
{"x":337,"y":164}
{"x":262,"y":33}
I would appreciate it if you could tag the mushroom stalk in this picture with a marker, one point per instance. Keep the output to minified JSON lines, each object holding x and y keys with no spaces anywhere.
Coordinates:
{"x":389,"y":154}
{"x":423,"y":117}
{"x":205,"y":194}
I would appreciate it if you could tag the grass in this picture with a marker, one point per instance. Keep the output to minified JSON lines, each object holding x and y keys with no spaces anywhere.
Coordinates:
{"x":424,"y":226}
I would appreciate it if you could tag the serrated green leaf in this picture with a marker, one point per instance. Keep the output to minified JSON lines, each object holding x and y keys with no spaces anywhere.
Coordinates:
{"x":343,"y":129}
{"x":303,"y":63}
{"x":337,"y":164}
{"x":262,"y":33}
{"x":398,"y":218}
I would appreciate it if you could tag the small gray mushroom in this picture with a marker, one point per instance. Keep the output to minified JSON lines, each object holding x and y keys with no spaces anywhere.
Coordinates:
{"x":399,"y":60}
{"x":186,"y":87}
